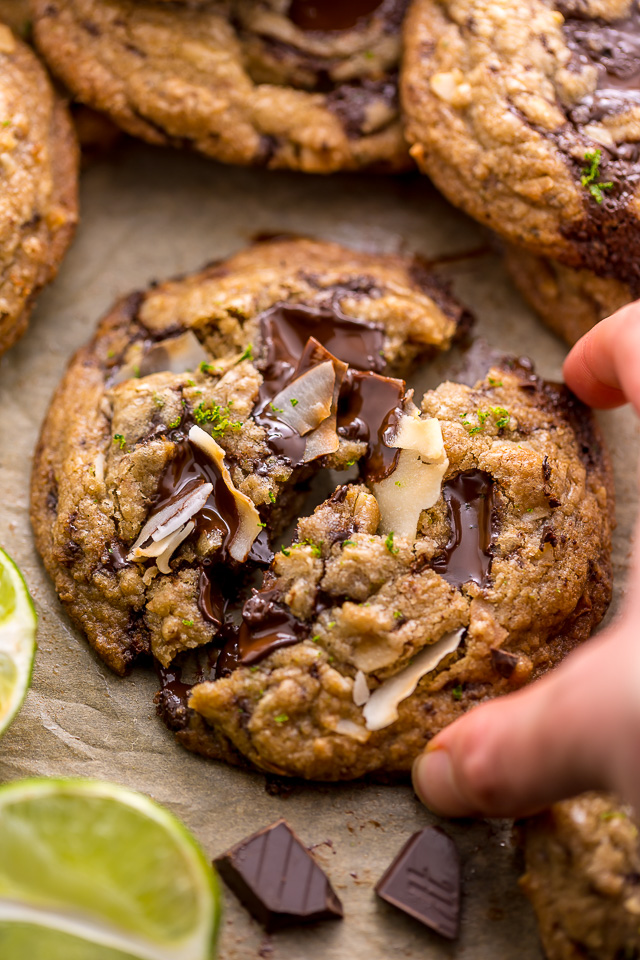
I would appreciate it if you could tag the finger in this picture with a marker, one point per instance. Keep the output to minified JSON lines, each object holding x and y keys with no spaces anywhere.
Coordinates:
{"x":518,"y":754}
{"x":603,"y":368}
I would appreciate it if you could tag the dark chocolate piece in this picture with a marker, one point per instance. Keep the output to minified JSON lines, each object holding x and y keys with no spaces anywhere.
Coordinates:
{"x":369,"y":409}
{"x":277,"y":880}
{"x":424,"y":881}
{"x":504,"y":662}
{"x":467,"y":556}
{"x":329,"y":15}
{"x":266,"y":625}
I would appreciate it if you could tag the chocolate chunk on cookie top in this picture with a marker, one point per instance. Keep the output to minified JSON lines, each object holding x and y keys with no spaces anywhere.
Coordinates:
{"x":273,"y":874}
{"x":38,"y":188}
{"x":424,"y":881}
{"x":527,"y":115}
{"x":308,"y":86}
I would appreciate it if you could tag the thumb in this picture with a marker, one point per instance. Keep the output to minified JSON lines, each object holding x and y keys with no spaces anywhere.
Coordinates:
{"x":518,"y":754}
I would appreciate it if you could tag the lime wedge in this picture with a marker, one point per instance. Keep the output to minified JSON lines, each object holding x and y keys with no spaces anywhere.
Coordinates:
{"x":18,"y":623}
{"x":93,"y":871}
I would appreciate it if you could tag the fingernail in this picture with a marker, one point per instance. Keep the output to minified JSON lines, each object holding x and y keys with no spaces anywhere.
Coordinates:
{"x":434,"y":782}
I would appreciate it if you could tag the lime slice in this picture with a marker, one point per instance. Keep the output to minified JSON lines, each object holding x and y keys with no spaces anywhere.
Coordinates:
{"x":18,"y":623}
{"x":92,"y":871}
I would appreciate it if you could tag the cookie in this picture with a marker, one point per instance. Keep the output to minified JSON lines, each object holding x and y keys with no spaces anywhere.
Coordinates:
{"x":299,"y":85}
{"x":110,"y":436}
{"x":527,"y":115}
{"x":466,"y":552}
{"x":38,"y":191}
{"x":583,"y":869}
{"x":570,"y":302}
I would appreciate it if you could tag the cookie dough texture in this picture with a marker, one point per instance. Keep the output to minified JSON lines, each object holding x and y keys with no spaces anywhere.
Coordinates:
{"x":38,"y":188}
{"x":505,"y":101}
{"x":237,"y":81}
{"x":91,"y":492}
{"x":550,"y":584}
{"x":583,"y":879}
{"x":570,"y":302}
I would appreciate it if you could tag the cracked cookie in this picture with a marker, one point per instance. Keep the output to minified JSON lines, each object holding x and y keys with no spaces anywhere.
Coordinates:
{"x":570,"y":302}
{"x":527,"y":115}
{"x":298,"y":85}
{"x":583,"y":879}
{"x":38,"y":214}
{"x":467,"y":551}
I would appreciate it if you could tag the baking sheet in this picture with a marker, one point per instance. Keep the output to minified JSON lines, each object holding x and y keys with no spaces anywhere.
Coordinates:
{"x":149,"y":214}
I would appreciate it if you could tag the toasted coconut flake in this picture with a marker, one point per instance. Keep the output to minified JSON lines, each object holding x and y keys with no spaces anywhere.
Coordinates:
{"x":174,"y":355}
{"x":98,"y":467}
{"x":305,"y":402}
{"x":173,"y":516}
{"x":381,"y":710}
{"x":249,"y":525}
{"x":323,"y":441}
{"x":350,"y":729}
{"x":416,"y":483}
{"x":172,"y":542}
{"x":361,"y":691}
{"x":423,"y":436}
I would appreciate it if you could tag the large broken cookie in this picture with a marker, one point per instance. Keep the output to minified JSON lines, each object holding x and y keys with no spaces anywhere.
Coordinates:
{"x":38,"y":190}
{"x":302,"y":85}
{"x":465,"y":553}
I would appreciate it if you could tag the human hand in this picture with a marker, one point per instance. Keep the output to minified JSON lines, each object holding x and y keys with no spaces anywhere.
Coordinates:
{"x":578,"y":728}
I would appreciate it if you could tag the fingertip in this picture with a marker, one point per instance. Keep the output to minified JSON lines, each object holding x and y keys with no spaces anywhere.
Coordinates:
{"x":583,"y":374}
{"x":434,"y":783}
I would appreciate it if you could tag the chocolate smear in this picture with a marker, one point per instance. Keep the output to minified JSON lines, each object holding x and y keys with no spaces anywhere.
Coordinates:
{"x":424,"y":881}
{"x":277,"y":880}
{"x":189,"y":468}
{"x":330,"y":15}
{"x":266,"y":626}
{"x":467,"y":556}
{"x":369,"y":409}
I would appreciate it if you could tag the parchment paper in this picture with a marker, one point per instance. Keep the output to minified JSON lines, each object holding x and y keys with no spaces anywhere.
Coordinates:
{"x":150,"y":214}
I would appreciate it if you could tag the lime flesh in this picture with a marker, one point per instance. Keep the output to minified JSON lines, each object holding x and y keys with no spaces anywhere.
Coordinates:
{"x":92,"y":871}
{"x":18,"y":624}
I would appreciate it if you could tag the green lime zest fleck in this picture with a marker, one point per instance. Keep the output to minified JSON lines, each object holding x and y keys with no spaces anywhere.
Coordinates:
{"x":349,"y":543}
{"x":110,"y":354}
{"x":613,"y":815}
{"x":175,"y":423}
{"x":294,"y":402}
{"x":315,"y":547}
{"x":272,"y":496}
{"x":120,"y":440}
{"x":216,"y":416}
{"x":398,"y":614}
{"x":248,"y":354}
{"x":494,"y":383}
{"x":501,"y":417}
{"x":591,"y":172}
{"x":390,"y":545}
{"x":281,"y":718}
{"x":457,"y":692}
{"x":188,"y":623}
{"x":159,"y":402}
{"x":331,"y":624}
{"x":286,"y":552}
{"x":316,"y":638}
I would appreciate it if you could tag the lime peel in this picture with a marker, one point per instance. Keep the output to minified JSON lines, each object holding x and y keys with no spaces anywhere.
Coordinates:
{"x":47,"y":814}
{"x":18,"y":624}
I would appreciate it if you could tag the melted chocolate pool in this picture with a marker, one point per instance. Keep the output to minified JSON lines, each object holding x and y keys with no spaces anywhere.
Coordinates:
{"x":369,"y":409}
{"x":189,"y":468}
{"x":614,"y":49}
{"x":329,"y":15}
{"x":266,"y":626}
{"x":467,"y":556}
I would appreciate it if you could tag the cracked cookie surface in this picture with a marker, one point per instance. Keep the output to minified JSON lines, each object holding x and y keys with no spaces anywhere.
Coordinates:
{"x":39,"y":161}
{"x":297,"y":85}
{"x":582,"y":875}
{"x":467,"y":556}
{"x":527,"y":115}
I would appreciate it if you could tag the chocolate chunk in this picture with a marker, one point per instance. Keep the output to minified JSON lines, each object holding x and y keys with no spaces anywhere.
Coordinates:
{"x":471,"y":506}
{"x":504,"y":662}
{"x":424,"y":881}
{"x":277,"y":880}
